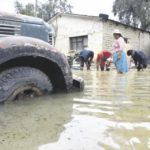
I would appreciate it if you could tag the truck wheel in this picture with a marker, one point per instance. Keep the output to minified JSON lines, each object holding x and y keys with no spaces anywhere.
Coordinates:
{"x":23,"y":82}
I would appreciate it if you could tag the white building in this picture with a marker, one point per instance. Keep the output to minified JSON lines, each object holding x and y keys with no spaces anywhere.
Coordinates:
{"x":74,"y":32}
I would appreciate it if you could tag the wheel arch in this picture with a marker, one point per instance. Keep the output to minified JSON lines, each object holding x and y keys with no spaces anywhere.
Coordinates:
{"x":51,"y":69}
{"x":37,"y":54}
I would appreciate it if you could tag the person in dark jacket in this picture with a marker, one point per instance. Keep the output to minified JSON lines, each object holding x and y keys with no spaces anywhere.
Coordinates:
{"x":86,"y":57}
{"x":140,"y":59}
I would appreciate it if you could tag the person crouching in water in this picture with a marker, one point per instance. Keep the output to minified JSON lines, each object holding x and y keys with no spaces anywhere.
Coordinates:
{"x":102,"y":60}
{"x":119,"y":55}
{"x":86,"y":57}
{"x":139,"y":58}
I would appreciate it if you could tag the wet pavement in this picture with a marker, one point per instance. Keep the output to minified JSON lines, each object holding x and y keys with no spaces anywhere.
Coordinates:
{"x":112,"y":113}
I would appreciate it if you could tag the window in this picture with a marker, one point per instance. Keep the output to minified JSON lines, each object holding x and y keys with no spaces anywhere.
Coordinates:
{"x":78,"y":43}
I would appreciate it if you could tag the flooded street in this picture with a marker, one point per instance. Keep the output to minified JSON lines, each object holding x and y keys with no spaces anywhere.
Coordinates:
{"x":112,"y":113}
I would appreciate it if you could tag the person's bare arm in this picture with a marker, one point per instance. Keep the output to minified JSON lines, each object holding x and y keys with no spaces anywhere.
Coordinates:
{"x":97,"y":65}
{"x":130,"y":62}
{"x":98,"y":62}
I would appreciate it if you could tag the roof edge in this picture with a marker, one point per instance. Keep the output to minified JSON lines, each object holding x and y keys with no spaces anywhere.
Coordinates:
{"x":90,"y":16}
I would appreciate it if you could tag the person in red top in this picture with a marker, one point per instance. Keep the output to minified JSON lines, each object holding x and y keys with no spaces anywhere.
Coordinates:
{"x":101,"y":60}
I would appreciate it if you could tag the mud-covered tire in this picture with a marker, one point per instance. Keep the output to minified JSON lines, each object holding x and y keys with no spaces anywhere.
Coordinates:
{"x":19,"y":82}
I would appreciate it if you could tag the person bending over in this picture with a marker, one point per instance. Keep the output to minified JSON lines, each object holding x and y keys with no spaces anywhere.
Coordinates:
{"x":139,"y":57}
{"x":86,"y":57}
{"x":102,"y":60}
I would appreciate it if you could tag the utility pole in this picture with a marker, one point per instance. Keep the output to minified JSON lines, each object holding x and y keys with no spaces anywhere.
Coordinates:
{"x":36,"y":6}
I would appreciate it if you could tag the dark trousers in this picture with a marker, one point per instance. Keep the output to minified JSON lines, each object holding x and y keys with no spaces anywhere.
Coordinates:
{"x":85,"y":61}
{"x":140,"y":66}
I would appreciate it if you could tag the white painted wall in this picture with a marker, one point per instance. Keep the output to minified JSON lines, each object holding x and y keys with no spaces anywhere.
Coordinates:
{"x":78,"y":26}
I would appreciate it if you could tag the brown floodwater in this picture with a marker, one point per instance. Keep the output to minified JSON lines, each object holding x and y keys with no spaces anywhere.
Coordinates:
{"x":113,"y":113}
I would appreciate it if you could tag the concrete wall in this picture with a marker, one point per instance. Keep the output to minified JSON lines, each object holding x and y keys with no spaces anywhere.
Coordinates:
{"x":138,"y":40}
{"x":67,"y":27}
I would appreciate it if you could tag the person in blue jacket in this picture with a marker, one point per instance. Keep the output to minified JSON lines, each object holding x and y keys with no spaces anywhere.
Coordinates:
{"x":140,"y":59}
{"x":86,"y":57}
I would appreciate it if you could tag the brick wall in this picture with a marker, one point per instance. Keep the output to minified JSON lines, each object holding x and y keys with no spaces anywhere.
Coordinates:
{"x":138,"y":40}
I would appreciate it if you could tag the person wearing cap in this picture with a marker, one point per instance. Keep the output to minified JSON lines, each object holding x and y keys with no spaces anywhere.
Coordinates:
{"x":86,"y":57}
{"x":139,"y":58}
{"x":102,"y":60}
{"x":119,"y":55}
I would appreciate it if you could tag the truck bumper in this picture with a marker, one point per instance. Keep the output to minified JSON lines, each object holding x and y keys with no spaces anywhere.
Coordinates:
{"x":78,"y":83}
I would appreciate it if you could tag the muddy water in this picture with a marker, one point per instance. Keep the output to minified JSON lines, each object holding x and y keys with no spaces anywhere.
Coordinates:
{"x":112,"y":113}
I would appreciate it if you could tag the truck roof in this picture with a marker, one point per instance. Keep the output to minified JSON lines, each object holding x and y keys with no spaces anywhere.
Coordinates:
{"x":20,"y":18}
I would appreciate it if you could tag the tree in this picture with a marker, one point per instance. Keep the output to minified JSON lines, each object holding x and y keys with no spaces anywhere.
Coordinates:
{"x":51,"y":7}
{"x":25,"y":10}
{"x":45,"y":10}
{"x":133,"y":12}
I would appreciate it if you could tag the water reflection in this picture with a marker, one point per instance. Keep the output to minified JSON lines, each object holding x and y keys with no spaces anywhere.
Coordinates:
{"x":24,"y":125}
{"x":112,"y":113}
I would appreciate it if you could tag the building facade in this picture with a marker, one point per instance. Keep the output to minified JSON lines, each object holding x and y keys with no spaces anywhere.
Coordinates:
{"x":75,"y":32}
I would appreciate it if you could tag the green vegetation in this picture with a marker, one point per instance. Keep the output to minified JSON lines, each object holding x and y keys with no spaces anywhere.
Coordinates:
{"x":44,"y":10}
{"x":133,"y":12}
